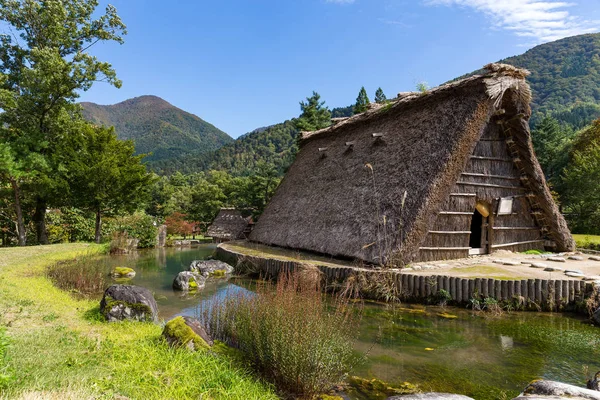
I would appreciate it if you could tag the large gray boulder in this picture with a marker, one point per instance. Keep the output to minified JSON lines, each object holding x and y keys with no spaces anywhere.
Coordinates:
{"x":556,"y":390}
{"x":127,"y":302}
{"x":209,"y":268}
{"x":430,"y":396}
{"x":188,"y":280}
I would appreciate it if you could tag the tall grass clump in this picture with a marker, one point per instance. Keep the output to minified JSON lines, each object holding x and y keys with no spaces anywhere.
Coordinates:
{"x":86,"y":275}
{"x":290,"y":332}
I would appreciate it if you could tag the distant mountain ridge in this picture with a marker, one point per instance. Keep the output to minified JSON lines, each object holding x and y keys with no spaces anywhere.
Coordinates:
{"x":157,"y":127}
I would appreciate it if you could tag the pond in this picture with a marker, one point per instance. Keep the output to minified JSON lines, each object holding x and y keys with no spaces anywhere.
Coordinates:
{"x":446,"y":350}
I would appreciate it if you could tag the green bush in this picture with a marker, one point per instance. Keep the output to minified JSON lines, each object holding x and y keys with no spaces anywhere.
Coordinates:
{"x":70,"y":224}
{"x":138,"y":225}
{"x":289,"y":332}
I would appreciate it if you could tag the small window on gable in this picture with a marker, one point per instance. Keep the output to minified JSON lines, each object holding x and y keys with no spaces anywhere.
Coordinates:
{"x":505,"y":206}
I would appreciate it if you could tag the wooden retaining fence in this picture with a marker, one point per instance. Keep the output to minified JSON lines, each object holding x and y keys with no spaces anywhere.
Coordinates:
{"x":546,"y":293}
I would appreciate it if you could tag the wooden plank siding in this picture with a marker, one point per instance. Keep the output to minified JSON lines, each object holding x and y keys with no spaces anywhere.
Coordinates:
{"x":489,"y":174}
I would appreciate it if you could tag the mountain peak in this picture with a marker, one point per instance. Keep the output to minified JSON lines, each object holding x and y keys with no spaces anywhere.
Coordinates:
{"x":157,"y":127}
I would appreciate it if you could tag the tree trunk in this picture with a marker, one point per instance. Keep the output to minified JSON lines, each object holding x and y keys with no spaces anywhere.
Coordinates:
{"x":98,"y":235}
{"x":20,"y":225}
{"x":39,"y":218}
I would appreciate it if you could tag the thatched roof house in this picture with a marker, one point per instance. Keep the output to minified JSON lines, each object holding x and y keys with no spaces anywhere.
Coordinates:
{"x":228,"y":225}
{"x":435,"y":175}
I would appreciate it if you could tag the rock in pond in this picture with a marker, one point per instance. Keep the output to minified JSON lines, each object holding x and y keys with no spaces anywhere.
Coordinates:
{"x":186,"y":332}
{"x":594,"y":258}
{"x":543,"y":389}
{"x":122,"y":273}
{"x":188,"y":280}
{"x":430,"y":396}
{"x":576,"y":258}
{"x":208,"y":268}
{"x":127,"y":302}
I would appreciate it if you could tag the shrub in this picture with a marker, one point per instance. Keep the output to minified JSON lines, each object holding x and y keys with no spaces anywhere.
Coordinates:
{"x":86,"y":275}
{"x":139,"y":226}
{"x":289,"y":332}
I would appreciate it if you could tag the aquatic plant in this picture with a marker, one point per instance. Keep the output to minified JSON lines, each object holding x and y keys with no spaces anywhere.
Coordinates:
{"x":289,"y":332}
{"x":85,"y":275}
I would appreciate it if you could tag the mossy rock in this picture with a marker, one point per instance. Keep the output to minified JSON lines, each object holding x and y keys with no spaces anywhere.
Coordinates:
{"x":378,"y":389}
{"x":127,"y":302}
{"x":218,"y":273}
{"x":211,"y":268}
{"x":188,"y":281}
{"x":122,"y":273}
{"x":188,"y":333}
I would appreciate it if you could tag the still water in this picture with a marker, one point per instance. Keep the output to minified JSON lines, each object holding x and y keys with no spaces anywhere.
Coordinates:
{"x":474,"y":354}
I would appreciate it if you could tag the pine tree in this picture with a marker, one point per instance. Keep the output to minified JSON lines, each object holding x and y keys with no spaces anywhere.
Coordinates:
{"x":315,"y":115}
{"x":380,"y":96}
{"x":362,"y":102}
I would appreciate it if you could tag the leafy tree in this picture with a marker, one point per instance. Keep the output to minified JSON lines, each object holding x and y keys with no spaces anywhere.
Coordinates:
{"x":44,"y":64}
{"x":581,"y":190}
{"x":380,"y":96}
{"x":315,"y":115}
{"x":108,"y":178}
{"x":551,"y":142}
{"x":207,"y":200}
{"x":362,"y":102}
{"x":177,"y":224}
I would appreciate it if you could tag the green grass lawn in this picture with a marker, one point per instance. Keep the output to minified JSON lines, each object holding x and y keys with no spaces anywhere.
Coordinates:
{"x":59,"y":347}
{"x":594,"y":239}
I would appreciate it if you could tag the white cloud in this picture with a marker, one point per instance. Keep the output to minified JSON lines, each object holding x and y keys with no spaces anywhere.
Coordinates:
{"x":542,"y":21}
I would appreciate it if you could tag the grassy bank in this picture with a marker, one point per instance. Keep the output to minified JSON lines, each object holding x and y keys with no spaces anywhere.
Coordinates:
{"x":59,"y":347}
{"x":587,"y":241}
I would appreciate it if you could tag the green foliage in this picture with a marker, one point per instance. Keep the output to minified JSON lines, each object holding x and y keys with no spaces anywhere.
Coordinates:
{"x":380,"y":96}
{"x":5,"y":375}
{"x":43,"y":72}
{"x":157,"y":127}
{"x":106,"y":176}
{"x":552,"y":143}
{"x":138,"y":225}
{"x":581,"y":190}
{"x":315,"y":115}
{"x":274,"y":145}
{"x":422,"y":87}
{"x":288,"y":333}
{"x":362,"y":102}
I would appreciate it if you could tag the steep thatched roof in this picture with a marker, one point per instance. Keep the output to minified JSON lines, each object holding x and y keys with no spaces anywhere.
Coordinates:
{"x":345,"y":193}
{"x":228,"y":225}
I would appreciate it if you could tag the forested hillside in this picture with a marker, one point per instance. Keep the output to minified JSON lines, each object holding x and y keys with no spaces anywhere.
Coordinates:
{"x":157,"y":127}
{"x":274,"y":145}
{"x":565,"y":79}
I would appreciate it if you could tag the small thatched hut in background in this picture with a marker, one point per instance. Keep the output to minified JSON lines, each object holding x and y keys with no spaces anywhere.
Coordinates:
{"x":229,"y":225}
{"x":429,"y":176}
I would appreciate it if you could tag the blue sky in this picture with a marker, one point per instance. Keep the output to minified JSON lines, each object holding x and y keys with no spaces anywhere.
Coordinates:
{"x":245,"y":64}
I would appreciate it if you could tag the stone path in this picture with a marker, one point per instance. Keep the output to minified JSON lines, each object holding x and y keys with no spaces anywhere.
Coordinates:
{"x":508,"y":265}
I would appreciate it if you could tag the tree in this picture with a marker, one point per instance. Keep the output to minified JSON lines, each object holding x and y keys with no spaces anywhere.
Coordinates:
{"x":581,"y":189}
{"x":380,"y":96}
{"x":108,"y":178}
{"x":551,"y":142}
{"x":177,"y":224}
{"x":315,"y":115}
{"x":207,"y":200}
{"x":44,"y":64}
{"x":362,"y":101}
